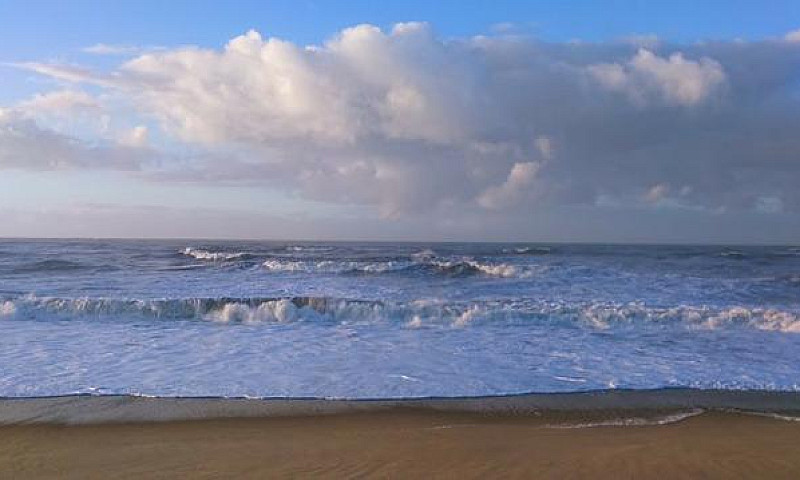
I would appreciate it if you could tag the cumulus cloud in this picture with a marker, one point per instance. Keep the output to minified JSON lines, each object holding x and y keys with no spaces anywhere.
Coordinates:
{"x":511,"y":192}
{"x":409,"y":123}
{"x":362,"y":83}
{"x":674,"y":79}
{"x":60,"y":101}
{"x":26,"y":145}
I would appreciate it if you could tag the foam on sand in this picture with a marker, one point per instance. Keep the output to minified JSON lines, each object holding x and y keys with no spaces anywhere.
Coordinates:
{"x":597,"y":408}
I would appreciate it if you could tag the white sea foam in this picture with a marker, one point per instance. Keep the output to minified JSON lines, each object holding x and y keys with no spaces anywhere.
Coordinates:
{"x":763,"y":319}
{"x":271,"y":311}
{"x":458,"y":266}
{"x":469,"y":315}
{"x":415,"y":322}
{"x":603,"y":316}
{"x":331,"y":267}
{"x":201,"y":254}
{"x":776,"y":416}
{"x":528,"y":250}
{"x":310,"y":248}
{"x":502,"y":270}
{"x":496,"y":270}
{"x":7,"y":308}
{"x":633,"y":421}
{"x":424,"y":255}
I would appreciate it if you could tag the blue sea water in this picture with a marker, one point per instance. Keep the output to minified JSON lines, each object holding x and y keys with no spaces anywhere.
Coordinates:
{"x":381,"y":320}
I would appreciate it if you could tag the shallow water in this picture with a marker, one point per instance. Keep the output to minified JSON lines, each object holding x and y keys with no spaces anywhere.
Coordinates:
{"x":356,"y":320}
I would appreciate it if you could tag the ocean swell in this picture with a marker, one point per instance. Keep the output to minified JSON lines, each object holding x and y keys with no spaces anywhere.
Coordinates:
{"x":44,"y":266}
{"x":201,"y":254}
{"x":414,"y":314}
{"x":459,"y":267}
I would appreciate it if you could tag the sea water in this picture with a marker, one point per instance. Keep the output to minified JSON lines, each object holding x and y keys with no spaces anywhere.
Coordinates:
{"x":392,"y":320}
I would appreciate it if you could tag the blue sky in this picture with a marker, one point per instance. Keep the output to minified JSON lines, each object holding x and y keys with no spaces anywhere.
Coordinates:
{"x":54,"y":28}
{"x":590,"y":36}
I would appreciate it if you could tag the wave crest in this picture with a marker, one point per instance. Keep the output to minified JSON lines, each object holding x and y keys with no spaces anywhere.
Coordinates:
{"x":201,"y":254}
{"x":333,"y":266}
{"x":502,"y":270}
{"x":413,"y":314}
{"x":418,"y":263}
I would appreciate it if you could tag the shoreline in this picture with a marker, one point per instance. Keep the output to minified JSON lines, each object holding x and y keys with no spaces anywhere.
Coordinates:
{"x":403,"y":443}
{"x":601,"y":405}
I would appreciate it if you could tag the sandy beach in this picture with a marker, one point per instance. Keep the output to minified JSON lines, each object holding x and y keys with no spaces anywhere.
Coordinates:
{"x":404,"y":443}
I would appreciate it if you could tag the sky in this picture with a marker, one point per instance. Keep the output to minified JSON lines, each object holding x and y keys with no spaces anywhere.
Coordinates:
{"x":551,"y":121}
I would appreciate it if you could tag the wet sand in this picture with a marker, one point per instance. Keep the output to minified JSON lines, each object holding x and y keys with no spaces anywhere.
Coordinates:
{"x":405,"y":443}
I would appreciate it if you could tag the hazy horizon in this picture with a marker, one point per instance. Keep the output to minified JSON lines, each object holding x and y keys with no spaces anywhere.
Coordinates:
{"x":397,"y":242}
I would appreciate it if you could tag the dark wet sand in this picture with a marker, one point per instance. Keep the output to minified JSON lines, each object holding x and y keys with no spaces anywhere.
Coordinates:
{"x":404,"y":444}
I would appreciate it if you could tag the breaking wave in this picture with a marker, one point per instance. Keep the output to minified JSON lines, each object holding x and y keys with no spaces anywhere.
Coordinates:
{"x":201,"y":254}
{"x":424,"y":264}
{"x":333,"y":266}
{"x":469,"y":266}
{"x":425,"y":261}
{"x":413,"y":314}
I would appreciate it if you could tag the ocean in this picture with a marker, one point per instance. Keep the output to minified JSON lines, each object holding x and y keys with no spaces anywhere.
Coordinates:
{"x":393,"y":320}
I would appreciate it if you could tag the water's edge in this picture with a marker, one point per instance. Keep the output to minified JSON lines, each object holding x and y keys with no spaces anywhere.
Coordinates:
{"x":605,"y":407}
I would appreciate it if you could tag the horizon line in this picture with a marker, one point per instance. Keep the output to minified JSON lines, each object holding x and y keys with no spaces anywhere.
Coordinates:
{"x":323,"y":240}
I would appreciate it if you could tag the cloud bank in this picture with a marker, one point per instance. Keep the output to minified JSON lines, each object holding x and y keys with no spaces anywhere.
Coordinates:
{"x":411,"y":124}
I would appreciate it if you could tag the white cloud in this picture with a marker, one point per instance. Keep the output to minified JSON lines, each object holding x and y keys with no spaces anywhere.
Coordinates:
{"x":68,"y":73}
{"x":513,"y":190}
{"x":793,"y":36}
{"x":363,"y":82}
{"x":26,"y":145}
{"x":409,"y":124}
{"x":657,"y":193}
{"x":61,"y":101}
{"x":135,"y":137}
{"x":675,"y":79}
{"x":106,"y":49}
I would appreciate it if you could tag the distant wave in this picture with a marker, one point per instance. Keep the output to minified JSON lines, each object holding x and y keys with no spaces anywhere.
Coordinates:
{"x":469,"y":266}
{"x":49,"y":266}
{"x":414,"y":314}
{"x":791,"y":252}
{"x":201,"y":254}
{"x":770,"y":254}
{"x":179,"y":268}
{"x":310,"y":248}
{"x":417,"y":263}
{"x":528,"y":250}
{"x":333,"y":266}
{"x":424,"y":261}
{"x":732,"y":254}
